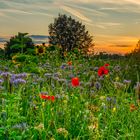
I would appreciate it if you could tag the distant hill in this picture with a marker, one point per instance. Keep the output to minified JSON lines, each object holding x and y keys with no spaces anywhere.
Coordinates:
{"x":37,"y":39}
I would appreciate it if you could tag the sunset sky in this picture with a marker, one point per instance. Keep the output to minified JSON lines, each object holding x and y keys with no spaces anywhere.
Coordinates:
{"x":114,"y":24}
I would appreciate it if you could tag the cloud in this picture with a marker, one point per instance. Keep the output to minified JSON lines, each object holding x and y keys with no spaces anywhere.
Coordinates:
{"x":2,"y":14}
{"x":27,"y":7}
{"x":136,"y":2}
{"x":109,"y":20}
{"x":121,"y":46}
{"x":14,"y":11}
{"x":75,"y":13}
{"x":105,"y":25}
{"x":120,"y":2}
{"x":86,"y":9}
{"x":126,"y":9}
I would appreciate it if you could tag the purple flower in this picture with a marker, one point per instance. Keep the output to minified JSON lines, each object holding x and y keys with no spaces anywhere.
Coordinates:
{"x":127,"y":82}
{"x":111,"y":100}
{"x":5,"y":74}
{"x":71,"y":75}
{"x":108,"y":99}
{"x":97,"y":85}
{"x":22,"y":75}
{"x":57,"y":74}
{"x":63,"y":66}
{"x":18,"y":81}
{"x":70,"y":67}
{"x":1,"y":81}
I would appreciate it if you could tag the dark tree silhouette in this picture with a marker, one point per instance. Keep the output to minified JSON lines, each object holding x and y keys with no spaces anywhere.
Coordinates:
{"x":20,"y":43}
{"x":68,"y":34}
{"x":2,"y":53}
{"x":137,"y":49}
{"x":134,"y":63}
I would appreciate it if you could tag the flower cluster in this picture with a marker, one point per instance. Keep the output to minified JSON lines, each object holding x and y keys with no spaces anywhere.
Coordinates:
{"x":47,"y":97}
{"x":103,"y":70}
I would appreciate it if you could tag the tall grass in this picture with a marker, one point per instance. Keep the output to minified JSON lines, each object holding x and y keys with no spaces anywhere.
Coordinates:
{"x":100,"y":108}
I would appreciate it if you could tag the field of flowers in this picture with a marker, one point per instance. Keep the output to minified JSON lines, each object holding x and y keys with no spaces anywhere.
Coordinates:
{"x":73,"y":99}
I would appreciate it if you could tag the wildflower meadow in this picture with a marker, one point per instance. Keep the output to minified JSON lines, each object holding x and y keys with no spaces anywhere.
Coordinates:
{"x":78,"y":98}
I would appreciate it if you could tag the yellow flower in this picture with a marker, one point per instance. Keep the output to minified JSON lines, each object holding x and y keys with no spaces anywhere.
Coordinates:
{"x":43,"y":104}
{"x":52,"y":138}
{"x":62,"y":131}
{"x":93,"y":126}
{"x":107,"y":75}
{"x":40,"y":50}
{"x":114,"y":109}
{"x":93,"y":108}
{"x":102,"y":98}
{"x":18,"y":65}
{"x":40,"y":126}
{"x":14,"y":59}
{"x":117,"y":78}
{"x":65,"y":54}
{"x":65,"y":101}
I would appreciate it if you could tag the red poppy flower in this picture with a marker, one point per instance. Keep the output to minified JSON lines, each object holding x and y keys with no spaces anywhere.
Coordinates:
{"x":69,"y":63}
{"x":106,"y":65}
{"x":52,"y":98}
{"x":75,"y":82}
{"x":102,"y":71}
{"x":132,"y":107}
{"x":47,"y":97}
{"x":42,"y":96}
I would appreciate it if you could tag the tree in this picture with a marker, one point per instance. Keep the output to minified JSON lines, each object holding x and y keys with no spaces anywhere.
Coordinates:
{"x":133,"y":72}
{"x":137,"y":49}
{"x":2,"y":53}
{"x":20,"y":43}
{"x":69,"y":34}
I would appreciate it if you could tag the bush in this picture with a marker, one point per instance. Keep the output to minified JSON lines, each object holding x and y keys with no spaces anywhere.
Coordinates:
{"x":20,"y":43}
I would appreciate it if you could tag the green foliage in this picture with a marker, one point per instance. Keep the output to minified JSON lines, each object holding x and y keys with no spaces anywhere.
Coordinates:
{"x":69,"y":34}
{"x":20,"y":43}
{"x":2,"y":53}
{"x":27,"y":59}
{"x":51,"y":48}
